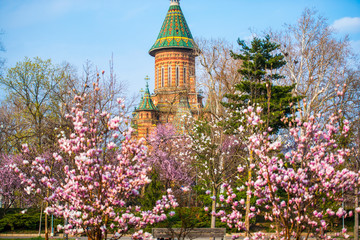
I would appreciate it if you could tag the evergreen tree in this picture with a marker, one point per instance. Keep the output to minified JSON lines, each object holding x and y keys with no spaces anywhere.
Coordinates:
{"x":259,"y":71}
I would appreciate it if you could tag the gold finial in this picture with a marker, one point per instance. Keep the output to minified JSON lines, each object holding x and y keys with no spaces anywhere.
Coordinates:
{"x":147,"y":80}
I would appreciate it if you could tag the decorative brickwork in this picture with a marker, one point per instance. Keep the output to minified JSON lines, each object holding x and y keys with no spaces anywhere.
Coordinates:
{"x":175,"y":84}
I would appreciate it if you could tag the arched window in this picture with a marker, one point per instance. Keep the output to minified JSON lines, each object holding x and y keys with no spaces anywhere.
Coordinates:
{"x":169,"y":76}
{"x":184,"y":75}
{"x":177,"y":76}
{"x":162,"y":77}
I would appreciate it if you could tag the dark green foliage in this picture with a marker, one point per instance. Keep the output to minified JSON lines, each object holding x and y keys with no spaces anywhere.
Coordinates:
{"x":187,"y":218}
{"x":152,"y":192}
{"x":15,"y":221}
{"x":259,"y":70}
{"x":259,"y":59}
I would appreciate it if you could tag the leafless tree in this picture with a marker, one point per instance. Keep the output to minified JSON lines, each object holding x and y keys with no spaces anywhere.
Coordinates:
{"x":218,"y":71}
{"x":318,"y":63}
{"x":325,"y":72}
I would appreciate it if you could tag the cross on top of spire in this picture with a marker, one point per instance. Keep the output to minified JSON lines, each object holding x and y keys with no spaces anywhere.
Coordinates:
{"x":147,"y":80}
{"x":174,"y":2}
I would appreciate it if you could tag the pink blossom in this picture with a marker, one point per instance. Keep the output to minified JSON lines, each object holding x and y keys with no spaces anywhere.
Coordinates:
{"x":97,"y":177}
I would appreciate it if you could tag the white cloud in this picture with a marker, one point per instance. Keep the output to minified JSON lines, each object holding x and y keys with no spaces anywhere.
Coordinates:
{"x":347,"y":24}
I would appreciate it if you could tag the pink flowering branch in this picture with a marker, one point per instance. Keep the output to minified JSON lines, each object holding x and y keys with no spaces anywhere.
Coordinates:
{"x":11,"y":189}
{"x":311,"y":174}
{"x":100,"y":177}
{"x":170,"y":156}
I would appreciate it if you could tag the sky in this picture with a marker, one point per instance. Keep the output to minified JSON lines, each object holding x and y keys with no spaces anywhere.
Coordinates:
{"x":76,"y":31}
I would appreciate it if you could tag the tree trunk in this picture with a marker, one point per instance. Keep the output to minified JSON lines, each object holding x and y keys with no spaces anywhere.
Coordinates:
{"x":41,"y":208}
{"x":98,"y":234}
{"x":46,"y":227}
{"x":248,"y":198}
{"x":46,"y":218}
{"x":213,"y":208}
{"x":356,"y":216}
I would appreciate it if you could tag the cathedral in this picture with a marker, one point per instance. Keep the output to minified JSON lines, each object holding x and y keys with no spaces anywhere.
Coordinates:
{"x":175,"y":92}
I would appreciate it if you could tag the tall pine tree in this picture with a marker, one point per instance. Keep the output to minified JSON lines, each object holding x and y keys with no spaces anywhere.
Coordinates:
{"x":259,"y":71}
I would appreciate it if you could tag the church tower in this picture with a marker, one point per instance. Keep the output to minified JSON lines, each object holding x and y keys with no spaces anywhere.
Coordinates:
{"x":175,"y":51}
{"x":175,"y":84}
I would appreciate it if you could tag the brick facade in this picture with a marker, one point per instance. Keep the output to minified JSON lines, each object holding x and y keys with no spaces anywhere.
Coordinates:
{"x":175,"y":82}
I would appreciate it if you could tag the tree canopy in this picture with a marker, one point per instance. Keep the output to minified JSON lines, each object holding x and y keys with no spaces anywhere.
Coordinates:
{"x":259,"y":70}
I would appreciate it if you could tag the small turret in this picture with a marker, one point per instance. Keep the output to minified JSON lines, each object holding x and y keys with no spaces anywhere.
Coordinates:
{"x":146,"y":114}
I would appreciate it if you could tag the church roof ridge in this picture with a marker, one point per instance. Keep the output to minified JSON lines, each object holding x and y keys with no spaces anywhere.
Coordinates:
{"x":175,"y":32}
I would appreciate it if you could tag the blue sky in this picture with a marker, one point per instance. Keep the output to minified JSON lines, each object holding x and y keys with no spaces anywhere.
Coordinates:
{"x":80,"y":30}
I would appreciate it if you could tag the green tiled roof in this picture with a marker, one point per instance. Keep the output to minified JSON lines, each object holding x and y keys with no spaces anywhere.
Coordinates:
{"x":174,"y":32}
{"x":146,"y":102}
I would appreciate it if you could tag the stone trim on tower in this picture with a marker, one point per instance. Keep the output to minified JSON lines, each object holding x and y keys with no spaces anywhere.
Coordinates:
{"x":175,"y":93}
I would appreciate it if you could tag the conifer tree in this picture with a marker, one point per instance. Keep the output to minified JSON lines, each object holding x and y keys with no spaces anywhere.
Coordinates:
{"x":259,"y":70}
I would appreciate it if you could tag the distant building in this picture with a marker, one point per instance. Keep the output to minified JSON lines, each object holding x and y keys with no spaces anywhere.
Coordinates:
{"x":175,"y":84}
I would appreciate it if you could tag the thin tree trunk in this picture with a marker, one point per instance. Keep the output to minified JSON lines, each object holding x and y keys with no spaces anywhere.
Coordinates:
{"x":248,"y":197}
{"x":40,"y":218}
{"x":65,"y":234}
{"x":213,"y":208}
{"x":46,"y":218}
{"x":356,"y":221}
{"x":46,"y":226}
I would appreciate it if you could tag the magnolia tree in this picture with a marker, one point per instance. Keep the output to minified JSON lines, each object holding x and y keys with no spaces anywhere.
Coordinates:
{"x":101,"y":179}
{"x":214,"y":157}
{"x":299,"y":190}
{"x":11,"y":189}
{"x":170,"y":155}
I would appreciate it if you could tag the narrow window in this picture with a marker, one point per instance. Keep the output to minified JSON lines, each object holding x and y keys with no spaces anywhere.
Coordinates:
{"x":158,"y":77}
{"x":184,"y":75}
{"x":177,"y":76}
{"x":162,"y":76}
{"x":169,"y":76}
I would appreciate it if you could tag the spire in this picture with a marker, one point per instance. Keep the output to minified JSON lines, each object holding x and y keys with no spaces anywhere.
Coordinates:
{"x":174,"y":33}
{"x":146,"y":102}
